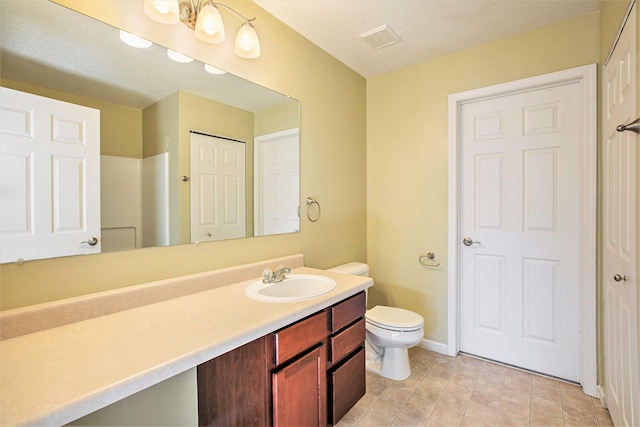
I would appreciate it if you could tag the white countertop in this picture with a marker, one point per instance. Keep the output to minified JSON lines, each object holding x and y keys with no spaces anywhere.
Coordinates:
{"x":57,"y":375}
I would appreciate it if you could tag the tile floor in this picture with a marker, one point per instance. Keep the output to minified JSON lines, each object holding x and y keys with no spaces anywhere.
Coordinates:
{"x":464,"y":391}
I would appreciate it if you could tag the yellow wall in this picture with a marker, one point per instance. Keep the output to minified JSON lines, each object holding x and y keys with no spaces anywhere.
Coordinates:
{"x":407,"y":143}
{"x":332,"y":164}
{"x":277,"y":118}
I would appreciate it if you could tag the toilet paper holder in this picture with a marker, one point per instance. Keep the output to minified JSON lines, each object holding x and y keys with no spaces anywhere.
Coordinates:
{"x":428,"y":260}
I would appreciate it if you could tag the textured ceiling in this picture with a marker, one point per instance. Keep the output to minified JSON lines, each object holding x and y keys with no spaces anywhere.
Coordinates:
{"x":427,"y":28}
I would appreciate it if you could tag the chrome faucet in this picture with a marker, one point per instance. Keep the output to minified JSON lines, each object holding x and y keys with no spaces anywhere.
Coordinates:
{"x":275,"y":276}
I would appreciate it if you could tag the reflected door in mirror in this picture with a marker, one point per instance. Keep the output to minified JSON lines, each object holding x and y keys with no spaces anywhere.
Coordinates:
{"x":217,"y":188}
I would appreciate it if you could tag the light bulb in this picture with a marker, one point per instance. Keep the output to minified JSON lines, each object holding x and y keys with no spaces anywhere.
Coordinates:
{"x":163,"y":11}
{"x":247,"y":44}
{"x":209,"y":26}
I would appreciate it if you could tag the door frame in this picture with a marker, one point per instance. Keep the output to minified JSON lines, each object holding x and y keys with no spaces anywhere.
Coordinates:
{"x":586,"y":76}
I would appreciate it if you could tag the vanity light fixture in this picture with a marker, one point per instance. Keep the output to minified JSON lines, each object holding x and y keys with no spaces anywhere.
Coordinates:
{"x":203,"y":16}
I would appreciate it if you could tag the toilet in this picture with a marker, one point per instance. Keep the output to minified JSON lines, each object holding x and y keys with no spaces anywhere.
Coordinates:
{"x":390,"y":332}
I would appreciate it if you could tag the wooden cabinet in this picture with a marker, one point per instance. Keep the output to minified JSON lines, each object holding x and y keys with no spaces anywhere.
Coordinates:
{"x":233,"y":389}
{"x":346,"y":375}
{"x":299,"y":380}
{"x":306,"y":374}
{"x":300,"y":391}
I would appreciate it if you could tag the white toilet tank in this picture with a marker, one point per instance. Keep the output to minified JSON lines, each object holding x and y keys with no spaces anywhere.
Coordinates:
{"x":354,"y":268}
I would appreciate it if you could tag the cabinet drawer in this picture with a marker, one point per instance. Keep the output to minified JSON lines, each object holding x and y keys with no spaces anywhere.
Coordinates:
{"x":347,"y":386}
{"x":347,"y":311}
{"x":346,"y":341}
{"x":299,"y":337}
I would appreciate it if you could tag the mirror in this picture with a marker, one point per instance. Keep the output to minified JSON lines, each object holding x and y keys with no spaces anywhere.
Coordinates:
{"x":149,"y":107}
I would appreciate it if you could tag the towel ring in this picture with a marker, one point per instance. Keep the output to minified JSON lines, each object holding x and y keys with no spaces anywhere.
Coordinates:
{"x":427,"y":260}
{"x":312,"y":201}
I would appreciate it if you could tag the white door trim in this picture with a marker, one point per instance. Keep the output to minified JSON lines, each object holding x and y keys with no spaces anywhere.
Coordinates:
{"x":586,"y":76}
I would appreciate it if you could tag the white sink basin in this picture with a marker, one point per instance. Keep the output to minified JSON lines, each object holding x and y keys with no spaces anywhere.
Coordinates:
{"x":296,"y":287}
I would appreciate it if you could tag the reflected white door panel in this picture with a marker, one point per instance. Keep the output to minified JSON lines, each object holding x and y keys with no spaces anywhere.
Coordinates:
{"x":49,"y":177}
{"x":277,"y":183}
{"x":217,"y":188}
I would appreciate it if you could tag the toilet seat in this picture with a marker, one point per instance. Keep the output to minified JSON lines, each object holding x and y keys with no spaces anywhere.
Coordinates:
{"x":394,"y":319}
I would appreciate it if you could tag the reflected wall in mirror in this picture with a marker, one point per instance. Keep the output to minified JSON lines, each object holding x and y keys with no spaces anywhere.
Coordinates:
{"x":149,"y":105}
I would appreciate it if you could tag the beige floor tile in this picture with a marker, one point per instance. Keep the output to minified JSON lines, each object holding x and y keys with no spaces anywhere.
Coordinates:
{"x":575,"y":417}
{"x":512,"y":413}
{"x":410,"y":417}
{"x":422,"y":403}
{"x":544,"y":391}
{"x":471,"y":422}
{"x":487,"y":378}
{"x":542,"y":408}
{"x":383,"y":412}
{"x":464,"y":378}
{"x":444,"y":391}
{"x":520,"y":383}
{"x":482,"y":411}
{"x":517,"y":396}
{"x":445,"y":414}
{"x":581,"y":403}
{"x":602,"y":414}
{"x":457,"y":390}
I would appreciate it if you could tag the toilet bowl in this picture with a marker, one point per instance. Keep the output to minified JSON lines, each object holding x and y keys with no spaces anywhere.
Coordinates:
{"x":390,"y":332}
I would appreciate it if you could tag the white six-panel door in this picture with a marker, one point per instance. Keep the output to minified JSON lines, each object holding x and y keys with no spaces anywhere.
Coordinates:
{"x":620,"y":217}
{"x":49,"y":177}
{"x":520,"y":196}
{"x":217,"y":188}
{"x":277,"y":176}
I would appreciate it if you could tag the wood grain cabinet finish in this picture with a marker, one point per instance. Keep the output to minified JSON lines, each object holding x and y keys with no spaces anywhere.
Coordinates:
{"x":300,"y":336}
{"x":347,"y":384}
{"x":300,"y":391}
{"x":346,"y":375}
{"x":233,"y":389}
{"x":309,"y":373}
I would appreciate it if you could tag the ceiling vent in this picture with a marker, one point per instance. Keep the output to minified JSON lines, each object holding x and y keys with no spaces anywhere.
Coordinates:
{"x":380,"y":37}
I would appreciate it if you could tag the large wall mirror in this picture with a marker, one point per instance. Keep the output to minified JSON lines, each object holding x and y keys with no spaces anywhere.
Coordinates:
{"x":161,"y":123}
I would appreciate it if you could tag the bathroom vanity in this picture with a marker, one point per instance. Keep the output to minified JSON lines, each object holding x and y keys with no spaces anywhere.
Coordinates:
{"x":58,"y":367}
{"x":309,"y":373}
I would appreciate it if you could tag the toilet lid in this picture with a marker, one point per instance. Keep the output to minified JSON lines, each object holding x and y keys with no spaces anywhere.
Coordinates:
{"x":394,"y":318}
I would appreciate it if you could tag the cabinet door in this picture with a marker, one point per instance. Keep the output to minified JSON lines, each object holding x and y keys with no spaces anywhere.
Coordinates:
{"x":300,"y":391}
{"x":347,"y":385}
{"x":233,"y":388}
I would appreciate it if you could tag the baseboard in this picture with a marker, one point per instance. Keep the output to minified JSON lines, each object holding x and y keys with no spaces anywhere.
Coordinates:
{"x":602,"y":396}
{"x":434,"y":346}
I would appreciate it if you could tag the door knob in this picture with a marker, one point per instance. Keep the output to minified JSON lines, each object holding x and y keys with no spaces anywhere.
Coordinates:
{"x":468,"y":241}
{"x":634,"y":126}
{"x":619,"y":278}
{"x":92,"y":241}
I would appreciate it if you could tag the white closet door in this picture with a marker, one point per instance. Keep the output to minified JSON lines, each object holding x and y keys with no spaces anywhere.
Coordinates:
{"x":620,"y":281}
{"x":218,"y":205}
{"x":49,"y":177}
